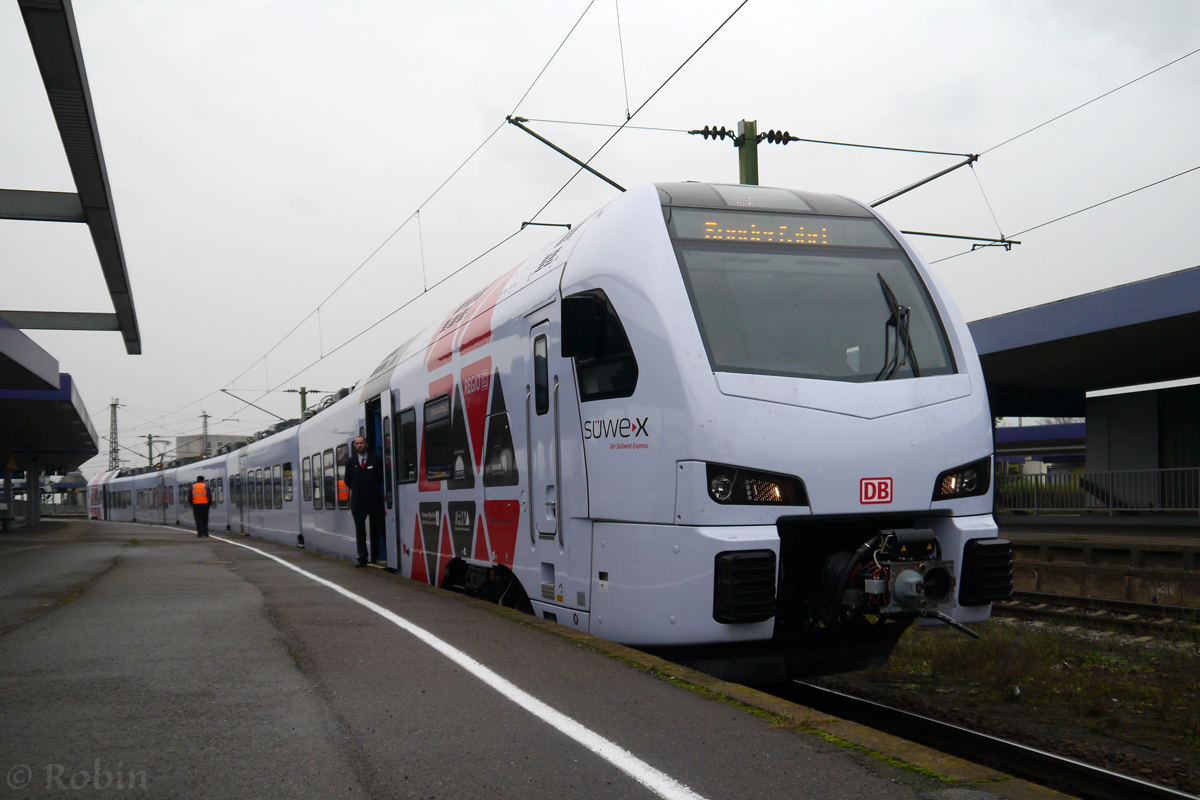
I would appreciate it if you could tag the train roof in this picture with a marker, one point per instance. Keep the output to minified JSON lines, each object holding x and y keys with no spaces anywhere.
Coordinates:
{"x":766,"y":198}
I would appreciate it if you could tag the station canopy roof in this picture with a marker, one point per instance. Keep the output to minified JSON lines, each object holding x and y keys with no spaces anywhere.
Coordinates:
{"x":54,"y":40}
{"x":43,"y":422}
{"x":1042,"y":361}
{"x":49,"y":426}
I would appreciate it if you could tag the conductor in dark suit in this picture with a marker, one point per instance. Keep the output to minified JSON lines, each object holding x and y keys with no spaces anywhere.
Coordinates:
{"x":364,"y":479}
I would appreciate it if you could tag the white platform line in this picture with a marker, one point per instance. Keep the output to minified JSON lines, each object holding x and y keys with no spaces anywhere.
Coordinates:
{"x":658,"y":782}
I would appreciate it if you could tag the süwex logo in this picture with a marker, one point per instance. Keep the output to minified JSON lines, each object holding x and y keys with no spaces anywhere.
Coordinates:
{"x":624,"y":428}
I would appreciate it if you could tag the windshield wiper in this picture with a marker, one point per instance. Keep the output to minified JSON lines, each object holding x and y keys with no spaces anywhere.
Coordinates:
{"x":899,"y":321}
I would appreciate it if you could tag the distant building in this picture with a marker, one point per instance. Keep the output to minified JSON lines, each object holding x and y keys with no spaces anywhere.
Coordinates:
{"x":191,"y":446}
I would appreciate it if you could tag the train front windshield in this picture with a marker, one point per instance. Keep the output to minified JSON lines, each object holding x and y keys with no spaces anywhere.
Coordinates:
{"x":806,"y":296}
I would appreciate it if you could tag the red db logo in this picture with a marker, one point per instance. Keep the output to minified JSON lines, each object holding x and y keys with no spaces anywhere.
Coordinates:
{"x":875,"y":490}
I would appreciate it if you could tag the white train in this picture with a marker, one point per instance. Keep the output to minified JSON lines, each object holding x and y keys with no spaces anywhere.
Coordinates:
{"x":743,"y":426}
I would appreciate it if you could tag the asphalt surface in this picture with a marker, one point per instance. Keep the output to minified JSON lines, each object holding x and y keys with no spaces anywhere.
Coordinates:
{"x":138,"y":661}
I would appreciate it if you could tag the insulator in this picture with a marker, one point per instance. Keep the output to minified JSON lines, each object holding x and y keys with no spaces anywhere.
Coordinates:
{"x":714,"y":132}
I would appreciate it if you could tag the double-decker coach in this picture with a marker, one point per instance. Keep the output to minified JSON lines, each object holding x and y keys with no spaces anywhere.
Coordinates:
{"x":742,"y":425}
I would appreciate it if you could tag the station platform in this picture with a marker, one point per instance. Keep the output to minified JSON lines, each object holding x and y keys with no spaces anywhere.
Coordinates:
{"x":1135,"y":561}
{"x":142,"y":661}
{"x":1178,"y":527}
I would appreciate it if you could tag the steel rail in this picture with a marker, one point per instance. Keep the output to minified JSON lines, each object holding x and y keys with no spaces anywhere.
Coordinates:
{"x":1108,"y":604}
{"x":1140,"y":616}
{"x":1061,"y":773}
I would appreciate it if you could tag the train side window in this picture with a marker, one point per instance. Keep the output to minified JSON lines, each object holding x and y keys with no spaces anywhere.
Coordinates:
{"x":343,"y":493}
{"x":408,"y":447}
{"x":330,"y":482}
{"x":306,"y":478}
{"x":219,"y":491}
{"x":439,"y":451}
{"x":259,"y":489}
{"x":287,"y":481}
{"x":277,"y":483}
{"x":611,"y":369}
{"x":541,"y":376}
{"x":318,"y":480}
{"x":500,"y":460}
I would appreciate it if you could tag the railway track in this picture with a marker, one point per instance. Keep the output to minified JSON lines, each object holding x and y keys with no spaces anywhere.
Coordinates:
{"x":1117,"y":613}
{"x":1057,"y":772}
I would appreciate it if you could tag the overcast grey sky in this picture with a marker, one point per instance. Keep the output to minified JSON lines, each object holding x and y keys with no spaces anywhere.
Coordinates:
{"x":259,"y":151}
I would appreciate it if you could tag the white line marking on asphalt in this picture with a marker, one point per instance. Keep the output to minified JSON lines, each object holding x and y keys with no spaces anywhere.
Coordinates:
{"x":8,"y":550}
{"x":658,"y":782}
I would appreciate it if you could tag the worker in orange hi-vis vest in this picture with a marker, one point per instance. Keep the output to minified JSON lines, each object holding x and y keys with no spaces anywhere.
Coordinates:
{"x":201,"y":502}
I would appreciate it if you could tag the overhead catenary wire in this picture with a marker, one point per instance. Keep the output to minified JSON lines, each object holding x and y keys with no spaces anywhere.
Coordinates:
{"x":653,"y":94}
{"x":534,"y":217}
{"x":793,"y":138}
{"x":552,"y":57}
{"x":386,"y":316}
{"x":621,"y":44}
{"x":490,"y":136}
{"x":409,"y":218}
{"x":987,"y":201}
{"x":1082,"y":210}
{"x":1094,"y":99}
{"x":365,"y":261}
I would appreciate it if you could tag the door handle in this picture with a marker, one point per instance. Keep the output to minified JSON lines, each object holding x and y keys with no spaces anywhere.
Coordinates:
{"x":529,"y":457}
{"x":557,"y":467}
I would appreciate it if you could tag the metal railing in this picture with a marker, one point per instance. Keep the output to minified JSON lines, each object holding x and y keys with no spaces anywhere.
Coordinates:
{"x":1118,"y":492}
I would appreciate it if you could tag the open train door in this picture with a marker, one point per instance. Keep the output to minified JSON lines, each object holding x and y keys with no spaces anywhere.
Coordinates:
{"x":380,"y":543}
{"x":376,"y":397}
{"x":238,"y":521}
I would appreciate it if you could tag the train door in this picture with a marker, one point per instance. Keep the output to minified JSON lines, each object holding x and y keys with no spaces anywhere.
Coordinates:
{"x":160,"y":499}
{"x":391,"y":497}
{"x":374,"y":434}
{"x":243,"y":498}
{"x":545,"y":512}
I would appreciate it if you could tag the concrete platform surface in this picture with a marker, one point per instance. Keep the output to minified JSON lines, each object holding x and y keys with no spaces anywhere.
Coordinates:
{"x":140,"y":661}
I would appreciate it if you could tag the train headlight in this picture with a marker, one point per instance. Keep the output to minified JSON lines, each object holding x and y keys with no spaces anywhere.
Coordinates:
{"x":720,"y":487}
{"x":969,"y":480}
{"x":737,"y":486}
